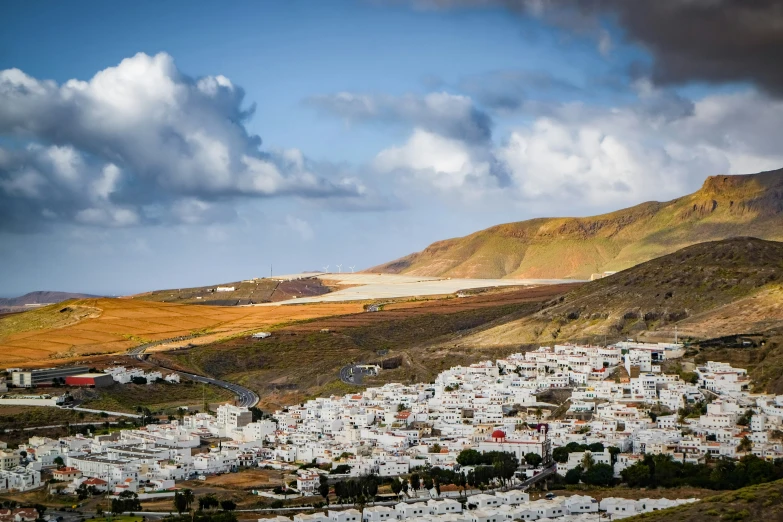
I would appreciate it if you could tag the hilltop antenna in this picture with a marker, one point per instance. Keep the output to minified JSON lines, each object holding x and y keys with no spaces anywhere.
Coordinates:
{"x":270,"y":270}
{"x":339,"y":269}
{"x":352,"y":267}
{"x":326,"y":268}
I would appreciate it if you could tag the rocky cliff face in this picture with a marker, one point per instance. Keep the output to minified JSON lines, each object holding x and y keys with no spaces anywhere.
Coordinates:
{"x":725,"y":206}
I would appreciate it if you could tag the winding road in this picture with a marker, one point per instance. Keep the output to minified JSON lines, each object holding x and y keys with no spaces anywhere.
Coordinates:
{"x":245,"y":397}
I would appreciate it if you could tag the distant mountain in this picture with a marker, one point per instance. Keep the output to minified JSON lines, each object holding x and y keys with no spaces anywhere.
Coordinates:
{"x":725,"y":206}
{"x":40,"y":297}
{"x":238,"y":293}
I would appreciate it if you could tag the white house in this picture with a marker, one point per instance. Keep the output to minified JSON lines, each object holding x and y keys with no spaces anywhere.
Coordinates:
{"x":618,"y":507}
{"x":302,"y":517}
{"x":349,"y":515}
{"x":480,"y":515}
{"x":378,"y":514}
{"x":513,"y":497}
{"x":443,"y":507}
{"x":576,"y":504}
{"x":484,"y":501}
{"x":307,"y":481}
{"x":404,"y":510}
{"x":548,"y":508}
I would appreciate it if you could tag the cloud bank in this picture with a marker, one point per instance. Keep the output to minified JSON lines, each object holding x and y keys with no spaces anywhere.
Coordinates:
{"x":658,"y":146}
{"x":138,"y":143}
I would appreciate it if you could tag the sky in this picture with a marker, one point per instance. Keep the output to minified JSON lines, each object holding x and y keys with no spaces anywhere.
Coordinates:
{"x":166,"y":144}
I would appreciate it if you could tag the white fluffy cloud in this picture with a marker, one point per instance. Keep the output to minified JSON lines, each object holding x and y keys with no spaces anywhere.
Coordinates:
{"x":118,"y":149}
{"x":599,"y":158}
{"x":442,"y":162}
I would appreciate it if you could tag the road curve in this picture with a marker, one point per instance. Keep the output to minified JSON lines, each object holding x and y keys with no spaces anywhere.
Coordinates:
{"x":245,"y":397}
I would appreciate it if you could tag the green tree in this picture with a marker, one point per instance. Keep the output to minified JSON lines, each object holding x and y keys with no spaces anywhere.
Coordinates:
{"x":209,"y":501}
{"x":587,"y":461}
{"x":189,"y":498}
{"x":396,"y":487}
{"x":598,"y":475}
{"x":228,"y":505}
{"x":574,"y":475}
{"x":613,"y":451}
{"x":59,"y":462}
{"x":180,"y":504}
{"x":596,"y":447}
{"x":372,"y":489}
{"x":469,"y":457}
{"x":415,"y":481}
{"x":533,"y":459}
{"x":323,"y":487}
{"x":560,"y":454}
{"x":127,"y":501}
{"x":636,"y":476}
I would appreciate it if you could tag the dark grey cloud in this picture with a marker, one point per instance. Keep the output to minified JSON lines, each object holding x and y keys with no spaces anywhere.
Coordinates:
{"x":690,"y":40}
{"x":449,"y":115}
{"x":139,"y":143}
{"x":707,"y":40}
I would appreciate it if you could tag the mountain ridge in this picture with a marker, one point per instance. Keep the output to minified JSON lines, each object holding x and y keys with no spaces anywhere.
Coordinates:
{"x":41,"y":297}
{"x":725,"y":206}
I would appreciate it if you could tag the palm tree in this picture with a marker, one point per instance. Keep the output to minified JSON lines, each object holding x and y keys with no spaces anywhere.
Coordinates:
{"x":587,"y":461}
{"x":189,"y":497}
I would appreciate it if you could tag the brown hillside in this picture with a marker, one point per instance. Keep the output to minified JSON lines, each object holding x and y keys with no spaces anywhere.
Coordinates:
{"x":759,"y":502}
{"x":707,"y":290}
{"x":725,"y":206}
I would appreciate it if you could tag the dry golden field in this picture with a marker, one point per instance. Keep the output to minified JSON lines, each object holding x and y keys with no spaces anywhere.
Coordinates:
{"x":101,"y":326}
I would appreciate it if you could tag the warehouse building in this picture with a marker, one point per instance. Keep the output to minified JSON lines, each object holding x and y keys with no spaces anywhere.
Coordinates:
{"x":92,"y":380}
{"x":29,"y":378}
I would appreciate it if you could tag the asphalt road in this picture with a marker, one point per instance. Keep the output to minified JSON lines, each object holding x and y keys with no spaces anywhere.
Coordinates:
{"x":345,"y":374}
{"x":352,"y":374}
{"x":245,"y":397}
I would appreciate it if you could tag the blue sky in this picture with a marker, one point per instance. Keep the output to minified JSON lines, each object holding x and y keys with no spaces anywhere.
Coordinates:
{"x":384,"y":126}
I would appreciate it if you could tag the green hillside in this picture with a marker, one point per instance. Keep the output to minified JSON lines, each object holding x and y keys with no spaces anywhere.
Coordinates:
{"x":725,"y":206}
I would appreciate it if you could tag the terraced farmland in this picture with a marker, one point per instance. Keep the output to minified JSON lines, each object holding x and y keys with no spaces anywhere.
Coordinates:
{"x":115,"y":325}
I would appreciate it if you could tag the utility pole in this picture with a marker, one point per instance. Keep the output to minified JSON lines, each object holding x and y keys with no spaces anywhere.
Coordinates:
{"x":675,"y":334}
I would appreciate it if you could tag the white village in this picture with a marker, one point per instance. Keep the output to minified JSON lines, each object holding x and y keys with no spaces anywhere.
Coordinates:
{"x":396,"y":430}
